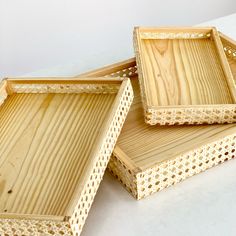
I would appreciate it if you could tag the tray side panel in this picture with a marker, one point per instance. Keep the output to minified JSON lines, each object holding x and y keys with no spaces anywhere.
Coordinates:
{"x":97,"y":170}
{"x":3,"y":91}
{"x":19,"y":227}
{"x":178,"y":169}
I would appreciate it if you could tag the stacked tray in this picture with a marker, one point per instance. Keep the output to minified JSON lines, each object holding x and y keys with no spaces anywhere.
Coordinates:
{"x":148,"y":158}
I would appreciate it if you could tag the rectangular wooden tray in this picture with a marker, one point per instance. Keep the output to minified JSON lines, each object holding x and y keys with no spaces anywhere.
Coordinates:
{"x":56,"y":137}
{"x":147,"y":158}
{"x":184,"y":76}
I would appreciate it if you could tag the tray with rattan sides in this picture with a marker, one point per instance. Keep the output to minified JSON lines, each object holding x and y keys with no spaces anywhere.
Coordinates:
{"x":56,"y":138}
{"x":184,"y":76}
{"x":148,"y":158}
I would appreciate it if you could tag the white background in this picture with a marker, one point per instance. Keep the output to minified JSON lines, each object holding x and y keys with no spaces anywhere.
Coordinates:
{"x":73,"y":36}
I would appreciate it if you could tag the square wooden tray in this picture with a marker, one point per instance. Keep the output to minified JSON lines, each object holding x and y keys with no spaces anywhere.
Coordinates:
{"x":56,"y":137}
{"x":147,"y":158}
{"x":184,"y":76}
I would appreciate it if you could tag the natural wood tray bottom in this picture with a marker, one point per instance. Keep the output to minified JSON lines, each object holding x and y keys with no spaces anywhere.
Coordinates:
{"x":45,"y":142}
{"x":147,"y":145}
{"x":182,"y":73}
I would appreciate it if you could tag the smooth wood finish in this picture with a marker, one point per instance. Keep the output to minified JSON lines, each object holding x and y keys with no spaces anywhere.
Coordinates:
{"x":45,"y":142}
{"x":183,"y":71}
{"x":177,"y":73}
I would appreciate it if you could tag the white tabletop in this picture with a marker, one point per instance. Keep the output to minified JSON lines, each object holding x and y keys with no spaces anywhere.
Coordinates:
{"x":202,"y":205}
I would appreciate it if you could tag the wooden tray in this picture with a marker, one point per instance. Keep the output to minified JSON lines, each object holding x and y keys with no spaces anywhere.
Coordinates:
{"x":184,"y":76}
{"x":56,"y":137}
{"x":147,"y":158}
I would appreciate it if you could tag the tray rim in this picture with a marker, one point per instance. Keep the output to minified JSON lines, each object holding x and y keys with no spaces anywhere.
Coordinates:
{"x":168,"y":112}
{"x":119,"y":156}
{"x":109,"y":132}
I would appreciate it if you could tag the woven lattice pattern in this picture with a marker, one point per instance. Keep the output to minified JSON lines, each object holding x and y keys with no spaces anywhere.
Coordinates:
{"x":14,"y":227}
{"x":209,"y":115}
{"x":88,"y":193}
{"x":170,"y":35}
{"x":127,"y":72}
{"x":230,"y":51}
{"x":65,"y":88}
{"x":125,"y":175}
{"x":173,"y":171}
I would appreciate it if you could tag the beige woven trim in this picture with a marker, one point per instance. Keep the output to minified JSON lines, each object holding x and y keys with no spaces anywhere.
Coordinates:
{"x":125,"y":175}
{"x":202,"y":115}
{"x":64,"y":88}
{"x":230,"y":51}
{"x":3,"y":92}
{"x":178,"y":169}
{"x":127,"y":72}
{"x":17,"y":227}
{"x":171,"y":35}
{"x":90,"y":188}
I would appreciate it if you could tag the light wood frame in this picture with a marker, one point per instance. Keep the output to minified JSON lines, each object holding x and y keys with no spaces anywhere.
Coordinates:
{"x":184,"y":76}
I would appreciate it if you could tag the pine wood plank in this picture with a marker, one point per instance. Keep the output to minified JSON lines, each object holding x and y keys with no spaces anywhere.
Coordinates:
{"x":44,"y":153}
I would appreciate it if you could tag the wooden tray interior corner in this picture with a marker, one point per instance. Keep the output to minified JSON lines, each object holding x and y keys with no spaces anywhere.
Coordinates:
{"x":47,"y":140}
{"x":183,"y":66}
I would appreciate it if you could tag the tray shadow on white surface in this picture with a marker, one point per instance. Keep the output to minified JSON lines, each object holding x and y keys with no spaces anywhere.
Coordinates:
{"x":202,"y":205}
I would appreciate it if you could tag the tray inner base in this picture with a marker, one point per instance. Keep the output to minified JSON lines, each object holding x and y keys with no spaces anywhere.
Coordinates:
{"x":45,"y":142}
{"x":184,"y":72}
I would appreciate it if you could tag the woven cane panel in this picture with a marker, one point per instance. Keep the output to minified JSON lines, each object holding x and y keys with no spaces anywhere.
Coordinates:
{"x":123,"y":174}
{"x":3,"y":92}
{"x":173,"y":171}
{"x":171,"y":35}
{"x":220,"y":115}
{"x":127,"y":72}
{"x":90,"y":188}
{"x":65,"y":88}
{"x":14,"y":227}
{"x":230,"y":51}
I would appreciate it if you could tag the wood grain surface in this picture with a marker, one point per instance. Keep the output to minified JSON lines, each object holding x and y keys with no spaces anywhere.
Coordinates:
{"x":45,"y":142}
{"x":183,"y":72}
{"x":147,"y":145}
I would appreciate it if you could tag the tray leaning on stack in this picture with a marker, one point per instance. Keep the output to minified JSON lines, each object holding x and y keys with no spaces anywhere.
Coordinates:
{"x":56,"y":138}
{"x":148,"y":158}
